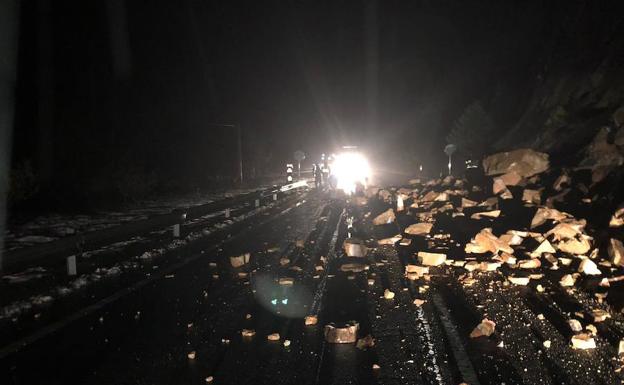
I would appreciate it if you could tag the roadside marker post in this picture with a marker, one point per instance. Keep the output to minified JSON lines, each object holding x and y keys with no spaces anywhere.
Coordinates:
{"x":71,"y":265}
{"x":176,"y":230}
{"x":274,"y":197}
{"x":227,"y":213}
{"x":257,"y":203}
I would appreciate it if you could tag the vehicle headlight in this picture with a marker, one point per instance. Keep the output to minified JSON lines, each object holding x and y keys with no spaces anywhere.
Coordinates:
{"x":350,"y":168}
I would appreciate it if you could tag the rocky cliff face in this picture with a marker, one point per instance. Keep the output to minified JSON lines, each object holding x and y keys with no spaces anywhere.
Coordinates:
{"x":577,"y":85}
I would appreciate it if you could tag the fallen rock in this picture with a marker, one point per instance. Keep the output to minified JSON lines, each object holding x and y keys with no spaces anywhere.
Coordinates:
{"x":354,"y":247}
{"x":588,"y":267}
{"x":532,"y":196}
{"x":566,"y":230}
{"x":286,"y":281}
{"x":385,"y":218}
{"x":511,"y":178}
{"x":419,"y":302}
{"x":416,"y":269}
{"x":365,"y":343}
{"x":616,"y":252}
{"x":617,"y":220}
{"x":578,"y":246}
{"x":248,"y":333}
{"x":583,"y":341}
{"x":485,"y":241}
{"x":431,"y":259}
{"x":575,"y":325}
{"x":600,"y":315}
{"x":498,"y":186}
{"x":530,"y":264}
{"x":544,"y":247}
{"x":567,"y":280}
{"x":273,"y":337}
{"x":353,"y":267}
{"x":388,"y":294}
{"x":487,"y":214}
{"x":390,"y":241}
{"x":485,"y":328}
{"x":419,"y":229}
{"x":240,"y":260}
{"x":524,"y":162}
{"x":544,"y":213}
{"x":346,"y":334}
{"x":311,"y":320}
{"x":519,"y":281}
{"x":467,"y":203}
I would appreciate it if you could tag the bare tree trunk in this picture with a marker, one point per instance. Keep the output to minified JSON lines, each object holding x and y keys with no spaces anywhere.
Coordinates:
{"x":9,"y":14}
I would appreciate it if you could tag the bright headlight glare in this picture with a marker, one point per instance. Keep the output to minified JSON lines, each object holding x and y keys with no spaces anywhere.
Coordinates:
{"x":350,"y":168}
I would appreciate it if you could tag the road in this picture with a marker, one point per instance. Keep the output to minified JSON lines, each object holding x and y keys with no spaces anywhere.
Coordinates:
{"x":182,"y":325}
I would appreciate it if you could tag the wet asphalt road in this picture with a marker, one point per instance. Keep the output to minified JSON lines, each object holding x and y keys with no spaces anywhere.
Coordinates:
{"x":146,"y":336}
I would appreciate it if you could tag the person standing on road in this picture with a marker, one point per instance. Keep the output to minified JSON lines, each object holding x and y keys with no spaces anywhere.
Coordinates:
{"x":316,"y":169}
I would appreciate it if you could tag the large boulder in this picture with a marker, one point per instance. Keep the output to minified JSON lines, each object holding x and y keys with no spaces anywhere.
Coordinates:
{"x":524,"y":162}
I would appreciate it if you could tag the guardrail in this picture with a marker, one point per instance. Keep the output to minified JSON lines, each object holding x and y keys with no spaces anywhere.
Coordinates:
{"x":67,"y":248}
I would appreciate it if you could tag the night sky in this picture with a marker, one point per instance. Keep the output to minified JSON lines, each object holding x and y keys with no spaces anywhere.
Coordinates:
{"x":108,"y":86}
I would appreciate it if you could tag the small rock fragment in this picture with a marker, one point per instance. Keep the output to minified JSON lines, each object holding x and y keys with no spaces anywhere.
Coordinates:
{"x":583,"y":341}
{"x":431,"y":259}
{"x":311,"y":320}
{"x":575,"y":325}
{"x":341,"y":335}
{"x":485,"y":328}
{"x":388,"y":294}
{"x":273,"y":337}
{"x":240,"y":260}
{"x":365,"y":343}
{"x":384,"y":218}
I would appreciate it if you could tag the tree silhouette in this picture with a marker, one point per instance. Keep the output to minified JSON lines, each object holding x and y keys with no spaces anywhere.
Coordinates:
{"x":472,"y":131}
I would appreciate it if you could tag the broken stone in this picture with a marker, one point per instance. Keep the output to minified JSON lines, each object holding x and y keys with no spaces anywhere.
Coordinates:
{"x":240,"y":260}
{"x":419,"y":270}
{"x":390,"y":241}
{"x":567,"y":280}
{"x":431,"y":259}
{"x":616,"y":252}
{"x":511,"y":239}
{"x":566,"y":230}
{"x":286,"y":343}
{"x":248,"y":333}
{"x":365,"y":343}
{"x":544,"y":213}
{"x":524,"y":162}
{"x":376,"y":367}
{"x":300,"y":243}
{"x":498,"y":186}
{"x":488,"y":214}
{"x":532,"y":196}
{"x":544,"y":247}
{"x":575,"y":325}
{"x":346,"y":334}
{"x":353,"y":267}
{"x":311,"y":320}
{"x":621,"y":348}
{"x":354,"y":247}
{"x":530,"y":264}
{"x":617,"y":220}
{"x":600,"y":315}
{"x":511,"y":178}
{"x":284,"y":261}
{"x":485,"y":328}
{"x":419,"y":228}
{"x":286,"y":281}
{"x":388,"y":294}
{"x":520,"y":281}
{"x":191,"y":355}
{"x":583,"y":341}
{"x":419,"y":302}
{"x":563,"y":179}
{"x":485,"y":241}
{"x":467,"y":203}
{"x":547,"y":344}
{"x":405,"y":242}
{"x":588,"y":267}
{"x":576,"y":246}
{"x":273,"y":337}
{"x":385,"y":218}
{"x":506,"y":194}
{"x":540,"y":288}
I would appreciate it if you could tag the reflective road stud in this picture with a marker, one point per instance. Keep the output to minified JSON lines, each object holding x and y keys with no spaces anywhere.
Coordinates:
{"x":176,"y":230}
{"x":71,"y":265}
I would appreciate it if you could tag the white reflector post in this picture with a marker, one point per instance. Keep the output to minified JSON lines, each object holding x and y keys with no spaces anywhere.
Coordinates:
{"x":71,"y":265}
{"x":257,"y":203}
{"x":274,"y":197}
{"x":176,"y":230}
{"x":227,"y":213}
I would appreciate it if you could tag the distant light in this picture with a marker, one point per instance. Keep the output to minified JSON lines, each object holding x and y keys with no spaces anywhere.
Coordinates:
{"x":285,"y":301}
{"x":350,"y":169}
{"x":274,"y":302}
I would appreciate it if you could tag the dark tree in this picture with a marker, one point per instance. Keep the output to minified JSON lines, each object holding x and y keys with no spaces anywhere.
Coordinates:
{"x":473,"y":131}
